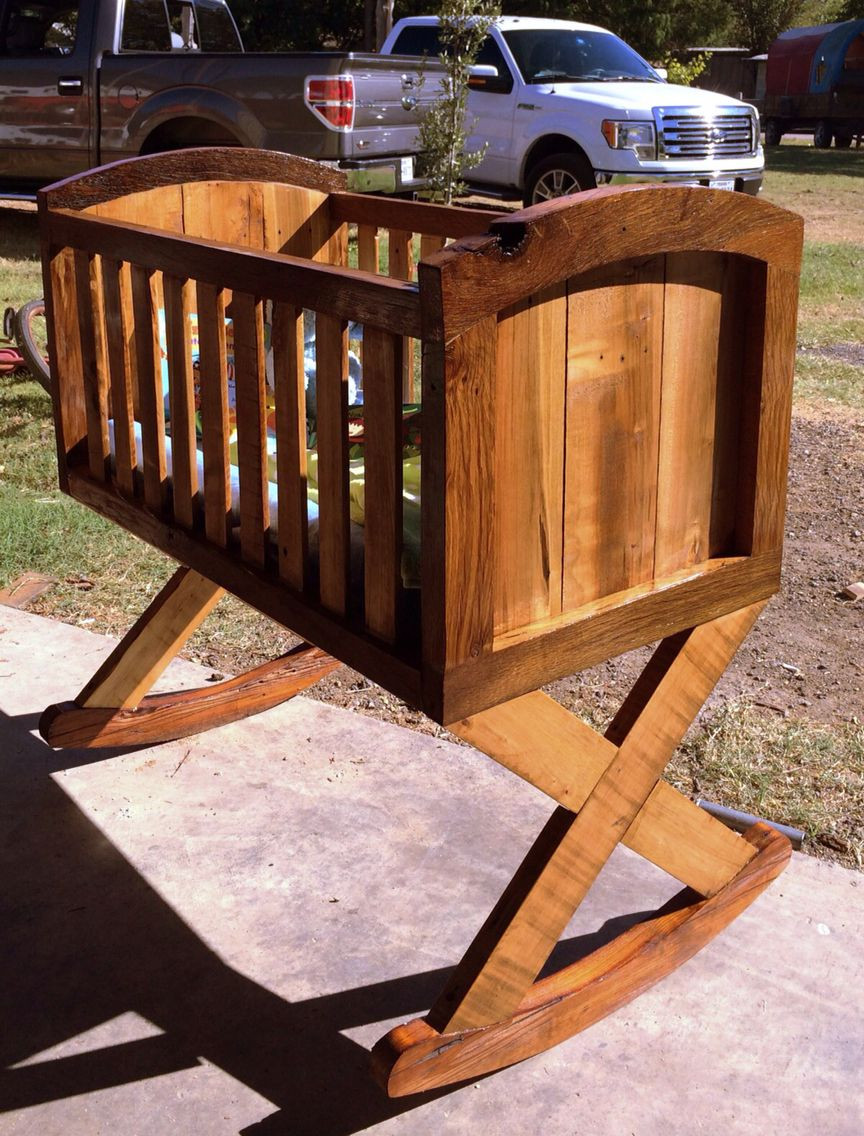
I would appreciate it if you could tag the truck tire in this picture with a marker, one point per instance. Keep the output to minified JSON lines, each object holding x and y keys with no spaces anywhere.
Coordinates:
{"x":842,"y":141}
{"x":822,"y":134}
{"x":773,"y":132}
{"x":557,"y":176}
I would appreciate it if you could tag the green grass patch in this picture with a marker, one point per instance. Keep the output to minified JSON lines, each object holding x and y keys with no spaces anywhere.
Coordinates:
{"x":794,"y":772}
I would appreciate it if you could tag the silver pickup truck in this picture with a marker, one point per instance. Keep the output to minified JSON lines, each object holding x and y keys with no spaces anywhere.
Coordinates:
{"x":84,"y":82}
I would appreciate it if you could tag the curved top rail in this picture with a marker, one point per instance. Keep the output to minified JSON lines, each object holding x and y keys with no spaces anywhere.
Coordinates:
{"x":547,"y":243}
{"x":212,"y":163}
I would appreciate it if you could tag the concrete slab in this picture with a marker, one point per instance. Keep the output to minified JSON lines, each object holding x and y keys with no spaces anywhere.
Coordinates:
{"x":206,"y":936}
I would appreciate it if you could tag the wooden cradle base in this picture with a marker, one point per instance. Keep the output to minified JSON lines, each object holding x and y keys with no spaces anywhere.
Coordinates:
{"x":493,"y":1011}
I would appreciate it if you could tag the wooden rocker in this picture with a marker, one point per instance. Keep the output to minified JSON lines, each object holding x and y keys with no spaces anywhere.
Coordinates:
{"x":605,"y":384}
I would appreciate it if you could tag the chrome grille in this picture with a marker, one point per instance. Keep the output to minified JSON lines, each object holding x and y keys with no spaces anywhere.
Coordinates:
{"x":695,"y":134}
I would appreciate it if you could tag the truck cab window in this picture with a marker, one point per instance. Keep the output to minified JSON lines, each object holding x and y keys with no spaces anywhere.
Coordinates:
{"x":424,"y":40}
{"x":145,"y":26}
{"x":216,"y":26}
{"x":184,"y":34}
{"x":40,"y":29}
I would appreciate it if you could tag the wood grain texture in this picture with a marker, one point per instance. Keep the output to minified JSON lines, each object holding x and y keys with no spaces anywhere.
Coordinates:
{"x":344,"y":292}
{"x":211,"y":163}
{"x":214,"y":412}
{"x":181,"y":398}
{"x":93,"y":369}
{"x":251,"y":382}
{"x":150,"y":645}
{"x":331,"y":372}
{"x":297,"y":221}
{"x":415,"y":1057}
{"x":514,"y":943}
{"x":530,"y":250}
{"x":530,"y":382}
{"x":546,"y":745}
{"x":693,"y":298}
{"x":229,"y":212}
{"x":411,"y":216}
{"x":614,"y":359}
{"x":368,"y":248}
{"x":400,"y":266}
{"x":117,"y":334}
{"x":164,"y":717}
{"x":146,"y":301}
{"x":382,"y":530}
{"x":291,"y":470}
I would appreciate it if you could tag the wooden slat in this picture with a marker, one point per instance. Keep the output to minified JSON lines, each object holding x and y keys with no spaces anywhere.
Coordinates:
{"x":542,"y":742}
{"x":61,"y":317}
{"x":344,"y":292}
{"x":178,"y":334}
{"x":469,"y":551}
{"x":382,"y":537}
{"x":430,"y":243}
{"x":93,"y":370}
{"x":613,"y":424}
{"x":401,"y":267}
{"x":148,"y":647}
{"x":214,"y":412}
{"x":117,"y":349}
{"x":331,"y":369}
{"x":248,"y":315}
{"x":694,"y":290}
{"x":534,"y":910}
{"x":288,"y":378}
{"x":367,"y":248}
{"x":145,"y":304}
{"x":529,"y":459}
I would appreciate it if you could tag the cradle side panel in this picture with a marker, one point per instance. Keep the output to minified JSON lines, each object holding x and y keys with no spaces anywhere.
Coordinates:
{"x":614,"y":359}
{"x":529,"y":459}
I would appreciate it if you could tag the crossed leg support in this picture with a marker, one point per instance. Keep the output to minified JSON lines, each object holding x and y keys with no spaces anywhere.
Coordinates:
{"x":112,"y":708}
{"x":493,"y":1012}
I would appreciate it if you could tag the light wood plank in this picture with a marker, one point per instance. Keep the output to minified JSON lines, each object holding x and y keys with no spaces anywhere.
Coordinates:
{"x":178,"y":337}
{"x":151,"y":409}
{"x":368,"y":248}
{"x":296,"y":221}
{"x":614,"y":357}
{"x":382,"y":531}
{"x":251,"y":382}
{"x":94,"y":372}
{"x":214,"y":412}
{"x":117,"y":350}
{"x":401,"y":267}
{"x":514,"y":943}
{"x":228,"y":212}
{"x":291,"y":468}
{"x":147,"y":649}
{"x":529,"y":459}
{"x":331,"y":367}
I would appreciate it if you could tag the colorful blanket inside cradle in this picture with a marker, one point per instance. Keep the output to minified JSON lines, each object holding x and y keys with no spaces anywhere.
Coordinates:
{"x":356,"y":464}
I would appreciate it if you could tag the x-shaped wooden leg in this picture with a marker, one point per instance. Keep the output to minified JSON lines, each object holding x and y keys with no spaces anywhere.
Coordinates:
{"x":111,"y":710}
{"x":492,"y":1012}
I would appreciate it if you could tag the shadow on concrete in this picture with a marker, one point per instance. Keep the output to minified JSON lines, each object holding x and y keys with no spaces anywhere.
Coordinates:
{"x":85,"y":939}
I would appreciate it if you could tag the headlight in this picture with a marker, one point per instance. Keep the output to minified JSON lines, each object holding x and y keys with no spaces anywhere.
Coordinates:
{"x":636,"y":136}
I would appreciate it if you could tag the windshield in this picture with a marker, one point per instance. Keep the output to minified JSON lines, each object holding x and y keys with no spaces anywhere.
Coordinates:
{"x":546,"y":54}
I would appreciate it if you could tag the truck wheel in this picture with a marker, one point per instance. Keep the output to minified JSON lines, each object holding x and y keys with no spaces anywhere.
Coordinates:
{"x":773,"y":133}
{"x":842,"y":141}
{"x":822,"y":134}
{"x":557,"y":176}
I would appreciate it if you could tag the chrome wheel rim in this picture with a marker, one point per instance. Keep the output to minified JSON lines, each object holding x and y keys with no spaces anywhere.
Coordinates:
{"x":555,"y":183}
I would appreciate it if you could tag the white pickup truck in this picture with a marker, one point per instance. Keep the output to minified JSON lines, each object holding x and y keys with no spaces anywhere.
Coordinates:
{"x":564,"y":106}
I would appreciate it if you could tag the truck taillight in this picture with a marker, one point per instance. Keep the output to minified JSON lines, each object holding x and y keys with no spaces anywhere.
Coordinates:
{"x":331,"y":97}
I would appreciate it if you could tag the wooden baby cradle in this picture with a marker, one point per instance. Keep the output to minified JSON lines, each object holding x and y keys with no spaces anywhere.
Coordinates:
{"x":605,"y":384}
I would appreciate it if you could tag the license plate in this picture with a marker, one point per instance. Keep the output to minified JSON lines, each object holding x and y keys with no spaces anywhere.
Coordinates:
{"x":723,"y":183}
{"x":407,"y":169}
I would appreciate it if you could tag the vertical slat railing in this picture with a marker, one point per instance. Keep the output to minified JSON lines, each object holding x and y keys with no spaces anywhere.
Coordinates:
{"x":331,"y":356}
{"x":214,"y":412}
{"x":93,"y":368}
{"x":178,"y":295}
{"x":291,"y":474}
{"x":145,"y":305}
{"x":382,"y":539}
{"x":120,"y":373}
{"x":248,"y":315}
